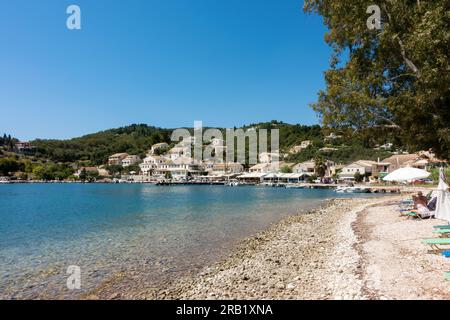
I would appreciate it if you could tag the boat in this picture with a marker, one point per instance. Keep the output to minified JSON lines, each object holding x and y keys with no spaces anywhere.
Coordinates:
{"x":295,"y":186}
{"x":4,"y":180}
{"x":352,"y":190}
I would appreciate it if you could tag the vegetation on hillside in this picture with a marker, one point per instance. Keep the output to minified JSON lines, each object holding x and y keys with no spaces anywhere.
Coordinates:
{"x":137,"y":139}
{"x":7,"y":142}
{"x":133,"y":139}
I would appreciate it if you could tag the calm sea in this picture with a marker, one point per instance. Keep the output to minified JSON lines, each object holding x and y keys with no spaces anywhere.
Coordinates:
{"x":106,"y":229}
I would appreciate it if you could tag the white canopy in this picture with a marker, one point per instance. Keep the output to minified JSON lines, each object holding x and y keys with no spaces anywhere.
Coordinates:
{"x":250,"y":175}
{"x":406,"y":174}
{"x":443,"y":198}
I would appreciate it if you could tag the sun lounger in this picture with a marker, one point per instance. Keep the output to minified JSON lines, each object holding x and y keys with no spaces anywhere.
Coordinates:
{"x":444,"y":233}
{"x":436,"y":243}
{"x":419,"y":215}
{"x":445,"y":226}
{"x":446,"y":254}
{"x":447,"y":275}
{"x":413,"y":215}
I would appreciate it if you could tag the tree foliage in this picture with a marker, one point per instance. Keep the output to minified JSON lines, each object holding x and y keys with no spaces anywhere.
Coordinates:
{"x":396,"y":78}
{"x":7,"y":141}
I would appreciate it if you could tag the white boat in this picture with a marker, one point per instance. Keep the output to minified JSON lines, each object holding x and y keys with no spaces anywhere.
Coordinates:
{"x":4,"y":181}
{"x":295,"y":186}
{"x":352,"y":190}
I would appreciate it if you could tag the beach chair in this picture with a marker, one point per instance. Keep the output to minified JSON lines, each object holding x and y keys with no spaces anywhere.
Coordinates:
{"x":446,"y":254}
{"x":417,"y":215}
{"x":442,"y":232}
{"x":445,"y":226}
{"x":413,"y":215}
{"x":447,"y":275}
{"x":437,"y":243}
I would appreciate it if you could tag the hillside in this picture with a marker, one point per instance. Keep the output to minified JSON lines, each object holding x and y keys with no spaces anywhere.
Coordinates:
{"x":138,"y":138}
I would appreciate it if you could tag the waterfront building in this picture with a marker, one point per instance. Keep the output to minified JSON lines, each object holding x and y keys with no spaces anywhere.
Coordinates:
{"x":130,"y":160}
{"x":117,"y":158}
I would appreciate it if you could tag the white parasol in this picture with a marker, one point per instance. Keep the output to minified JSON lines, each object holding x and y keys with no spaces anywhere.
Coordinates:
{"x":406,"y":174}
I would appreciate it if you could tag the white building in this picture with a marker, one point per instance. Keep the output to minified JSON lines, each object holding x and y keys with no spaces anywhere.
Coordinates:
{"x":180,"y":168}
{"x":305,"y":167}
{"x":177,"y":152}
{"x":117,"y":158}
{"x":267,"y":167}
{"x":364,"y":168}
{"x":218,"y":145}
{"x":266,"y":157}
{"x":150,"y":163}
{"x":303,"y":145}
{"x":158,"y":146}
{"x":130,"y":160}
{"x":332,"y":136}
{"x":227,"y":168}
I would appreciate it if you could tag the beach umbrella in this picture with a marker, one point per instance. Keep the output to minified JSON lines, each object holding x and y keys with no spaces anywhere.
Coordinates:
{"x":443,"y":198}
{"x":406,"y":174}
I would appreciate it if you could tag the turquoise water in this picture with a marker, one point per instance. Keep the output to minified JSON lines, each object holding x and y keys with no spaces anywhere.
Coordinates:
{"x":149,"y":231}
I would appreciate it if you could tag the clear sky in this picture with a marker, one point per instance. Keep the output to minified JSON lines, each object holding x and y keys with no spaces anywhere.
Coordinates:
{"x":160,"y":62}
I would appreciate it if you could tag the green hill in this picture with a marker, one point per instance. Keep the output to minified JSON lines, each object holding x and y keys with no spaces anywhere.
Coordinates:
{"x":138,"y":138}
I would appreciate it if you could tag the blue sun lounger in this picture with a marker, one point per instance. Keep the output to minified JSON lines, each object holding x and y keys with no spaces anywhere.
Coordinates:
{"x":446,"y":254}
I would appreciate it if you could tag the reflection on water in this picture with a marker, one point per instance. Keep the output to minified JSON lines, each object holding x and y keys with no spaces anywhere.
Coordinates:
{"x":109,"y":228}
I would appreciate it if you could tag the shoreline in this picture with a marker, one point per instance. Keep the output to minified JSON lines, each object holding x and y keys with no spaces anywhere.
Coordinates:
{"x":333,"y":252}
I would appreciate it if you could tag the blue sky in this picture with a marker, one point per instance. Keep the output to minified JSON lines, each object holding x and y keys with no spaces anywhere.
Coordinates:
{"x":161,"y":62}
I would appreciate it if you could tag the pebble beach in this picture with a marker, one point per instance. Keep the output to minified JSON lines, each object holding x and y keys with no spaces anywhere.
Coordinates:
{"x":347,"y":249}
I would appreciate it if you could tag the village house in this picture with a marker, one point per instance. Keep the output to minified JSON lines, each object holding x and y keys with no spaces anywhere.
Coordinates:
{"x":24,"y":148}
{"x":177,"y":152}
{"x":303,"y":145}
{"x":187,"y":141}
{"x":309,"y":167}
{"x":85,"y":169}
{"x":117,"y":158}
{"x":327,"y":149}
{"x":227,"y":168}
{"x":295,"y":149}
{"x":266,"y":157}
{"x":207,"y":165}
{"x":332,"y":136}
{"x":267,"y":167}
{"x":158,"y":146}
{"x":180,"y":168}
{"x":218,"y":145}
{"x":305,"y":167}
{"x":367,"y":168}
{"x":102,"y":172}
{"x":402,"y":160}
{"x":150,"y":163}
{"x":130,"y":160}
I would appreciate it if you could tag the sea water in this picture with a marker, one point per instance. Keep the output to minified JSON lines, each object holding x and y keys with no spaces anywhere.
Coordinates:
{"x":146,"y":231}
